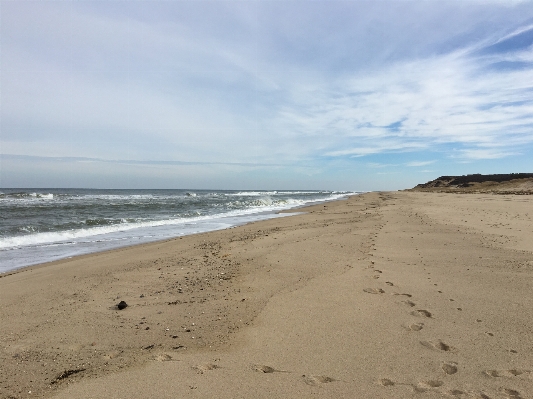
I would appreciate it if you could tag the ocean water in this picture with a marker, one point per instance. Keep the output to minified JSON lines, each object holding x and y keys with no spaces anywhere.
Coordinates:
{"x":41,"y":225}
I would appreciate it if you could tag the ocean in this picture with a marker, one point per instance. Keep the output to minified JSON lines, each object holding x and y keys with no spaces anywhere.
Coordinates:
{"x":42,"y":225}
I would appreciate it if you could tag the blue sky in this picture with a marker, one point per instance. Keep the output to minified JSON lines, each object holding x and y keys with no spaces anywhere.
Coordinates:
{"x":343,"y":95}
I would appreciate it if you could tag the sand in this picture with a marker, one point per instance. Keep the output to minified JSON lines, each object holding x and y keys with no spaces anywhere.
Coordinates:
{"x":384,"y":295}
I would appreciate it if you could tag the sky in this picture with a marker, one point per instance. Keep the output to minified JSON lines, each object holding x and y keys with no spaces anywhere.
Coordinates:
{"x":332,"y":95}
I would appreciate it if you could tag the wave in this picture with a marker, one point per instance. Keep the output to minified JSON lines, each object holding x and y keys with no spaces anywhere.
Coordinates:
{"x":38,"y":239}
{"x":81,"y":197}
{"x":23,"y":195}
{"x":261,"y":193}
{"x":250,"y":193}
{"x":96,"y":226}
{"x":103,"y":222}
{"x":34,"y":195}
{"x":302,"y":192}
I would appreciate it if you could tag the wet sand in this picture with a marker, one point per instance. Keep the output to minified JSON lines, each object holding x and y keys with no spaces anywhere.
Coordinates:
{"x":385,"y":295}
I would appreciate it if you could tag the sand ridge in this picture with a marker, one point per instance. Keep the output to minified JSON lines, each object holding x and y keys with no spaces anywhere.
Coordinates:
{"x":384,"y":295}
{"x":503,"y":184}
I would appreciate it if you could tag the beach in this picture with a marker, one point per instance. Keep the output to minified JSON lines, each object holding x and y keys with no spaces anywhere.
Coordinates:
{"x":382,"y":295}
{"x":43,"y":225}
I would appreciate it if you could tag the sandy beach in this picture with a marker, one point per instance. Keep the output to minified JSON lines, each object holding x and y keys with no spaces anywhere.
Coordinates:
{"x":383,"y":295}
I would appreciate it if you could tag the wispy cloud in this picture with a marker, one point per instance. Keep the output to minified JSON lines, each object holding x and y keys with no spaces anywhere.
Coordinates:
{"x":419,"y":163}
{"x":484,"y":154}
{"x":441,"y":100}
{"x":8,"y":157}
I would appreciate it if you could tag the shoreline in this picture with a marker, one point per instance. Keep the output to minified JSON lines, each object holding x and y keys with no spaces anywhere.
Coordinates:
{"x":230,"y":220}
{"x":386,"y":294}
{"x":144,"y":244}
{"x":68,"y":258}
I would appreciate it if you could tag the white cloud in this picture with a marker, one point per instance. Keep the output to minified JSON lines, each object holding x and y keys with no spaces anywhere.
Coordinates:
{"x":447,"y":99}
{"x":419,"y":163}
{"x":484,"y":154}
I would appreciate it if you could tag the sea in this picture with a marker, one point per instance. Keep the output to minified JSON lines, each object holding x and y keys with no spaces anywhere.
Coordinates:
{"x":42,"y":225}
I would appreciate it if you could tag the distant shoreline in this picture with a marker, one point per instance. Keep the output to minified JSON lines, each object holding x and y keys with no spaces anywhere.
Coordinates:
{"x":513,"y":183}
{"x":50,"y":224}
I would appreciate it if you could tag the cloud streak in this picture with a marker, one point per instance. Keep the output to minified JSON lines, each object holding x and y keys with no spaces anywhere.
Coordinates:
{"x":128,"y":161}
{"x":443,"y":100}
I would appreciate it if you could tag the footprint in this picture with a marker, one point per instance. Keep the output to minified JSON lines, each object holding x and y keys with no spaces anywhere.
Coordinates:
{"x":416,"y":326}
{"x":430,"y":384}
{"x":261,"y":368}
{"x":112,"y":355}
{"x":386,"y":382}
{"x":506,"y":373}
{"x":457,"y":392}
{"x":409,"y":303}
{"x":421,"y":313}
{"x":375,"y":277}
{"x":439,"y":345}
{"x":389,"y":283}
{"x":374,"y":290}
{"x":514,"y":373}
{"x":315,"y":380}
{"x":511,"y":393}
{"x":423,"y":386}
{"x":201,"y":368}
{"x":407,"y":295}
{"x":163,"y":357}
{"x":449,"y":368}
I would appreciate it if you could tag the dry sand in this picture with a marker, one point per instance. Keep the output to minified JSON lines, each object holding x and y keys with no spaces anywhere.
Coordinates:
{"x":385,"y":295}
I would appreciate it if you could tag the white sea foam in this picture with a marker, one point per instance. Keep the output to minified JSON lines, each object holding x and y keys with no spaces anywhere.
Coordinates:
{"x":35,"y":247}
{"x":20,"y":197}
{"x":39,"y":195}
{"x":116,"y":197}
{"x":251,"y":193}
{"x":263,"y":204}
{"x":300,"y":192}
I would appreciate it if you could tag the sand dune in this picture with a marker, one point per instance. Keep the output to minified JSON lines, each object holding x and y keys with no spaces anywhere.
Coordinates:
{"x":384,"y":295}
{"x":514,"y":183}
